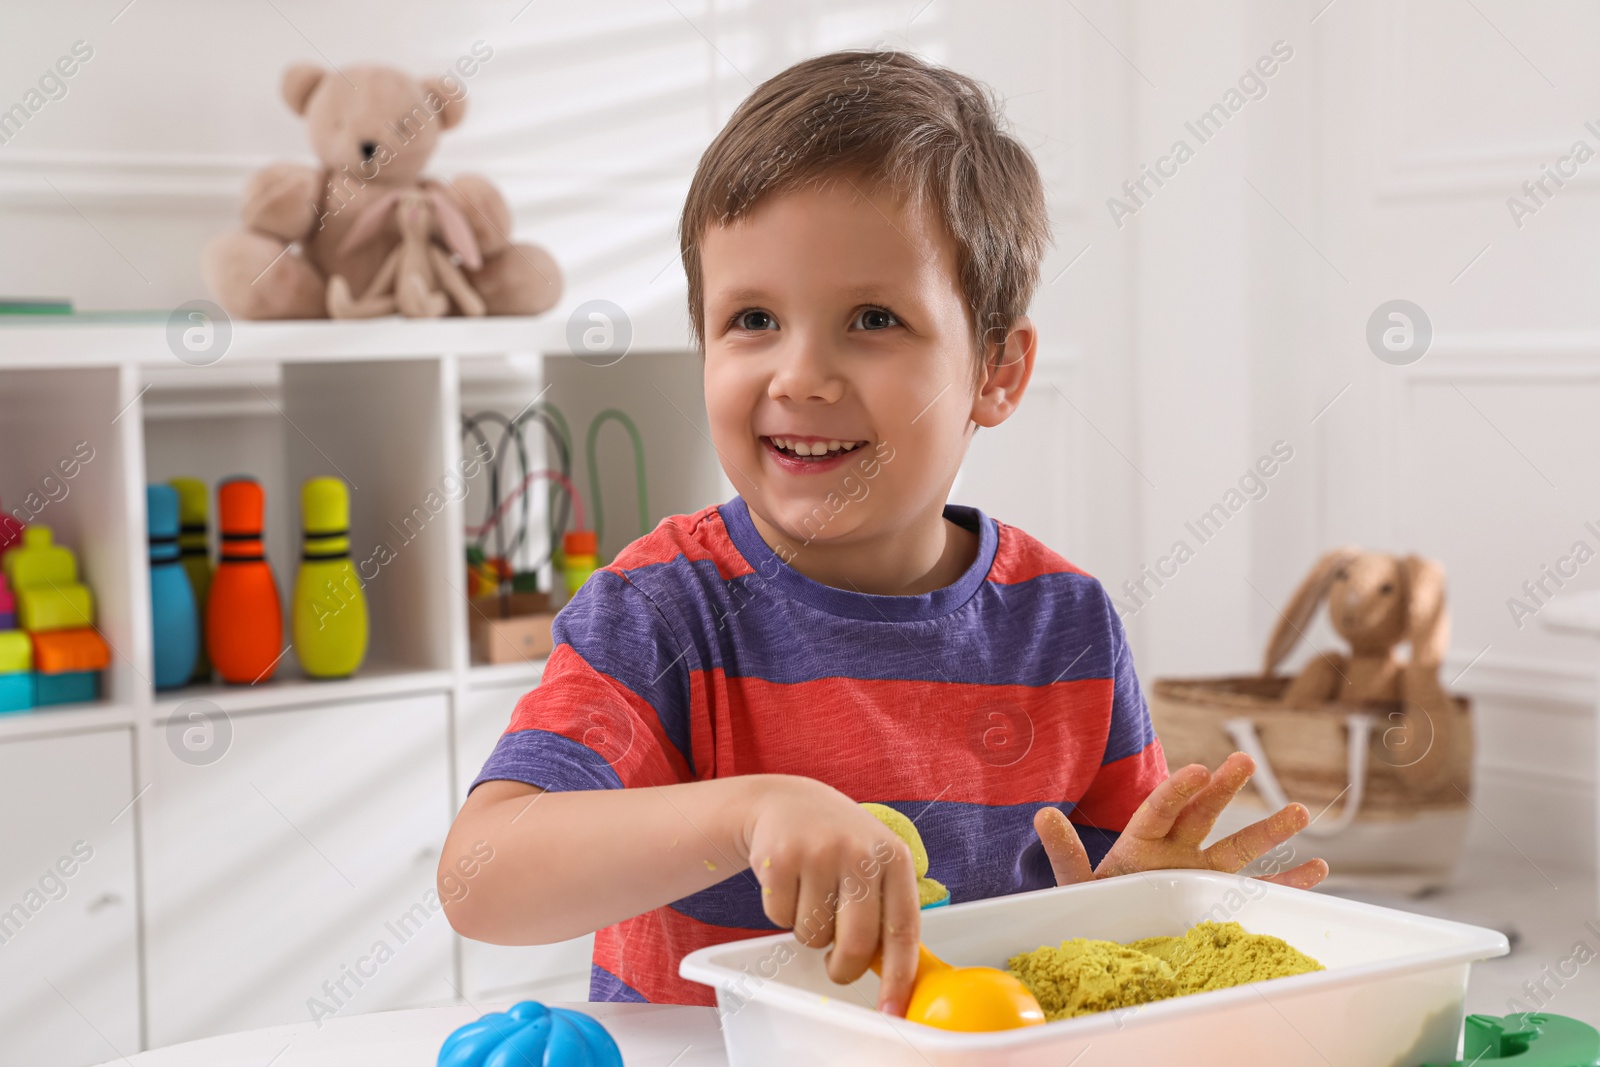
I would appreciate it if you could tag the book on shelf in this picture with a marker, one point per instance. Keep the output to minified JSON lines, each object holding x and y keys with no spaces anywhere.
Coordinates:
{"x":35,"y":305}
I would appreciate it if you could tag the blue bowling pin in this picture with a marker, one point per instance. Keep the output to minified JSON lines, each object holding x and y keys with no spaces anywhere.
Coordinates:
{"x":174,"y":621}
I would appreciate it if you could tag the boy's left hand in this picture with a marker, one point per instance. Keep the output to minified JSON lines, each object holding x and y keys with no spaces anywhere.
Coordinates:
{"x":1168,"y":829}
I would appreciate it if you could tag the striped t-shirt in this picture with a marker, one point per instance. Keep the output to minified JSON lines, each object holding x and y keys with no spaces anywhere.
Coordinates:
{"x":698,"y":653}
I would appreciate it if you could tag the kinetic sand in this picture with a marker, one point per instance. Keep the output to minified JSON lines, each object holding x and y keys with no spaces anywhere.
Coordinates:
{"x":1083,"y":976}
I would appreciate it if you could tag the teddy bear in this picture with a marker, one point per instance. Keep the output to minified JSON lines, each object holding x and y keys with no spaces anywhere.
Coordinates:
{"x":373,"y":130}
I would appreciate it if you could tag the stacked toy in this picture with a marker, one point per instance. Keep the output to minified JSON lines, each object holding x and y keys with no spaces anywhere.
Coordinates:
{"x":16,"y":656}
{"x":57,"y":612}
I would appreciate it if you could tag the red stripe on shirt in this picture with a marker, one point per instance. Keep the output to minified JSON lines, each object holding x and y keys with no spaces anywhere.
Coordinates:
{"x":644,"y":952}
{"x":1121,"y":787}
{"x":980,"y":744}
{"x":583,"y":705}
{"x":698,"y":537}
{"x":1019,"y":558}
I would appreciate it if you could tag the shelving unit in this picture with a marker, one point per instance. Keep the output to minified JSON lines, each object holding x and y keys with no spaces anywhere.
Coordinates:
{"x":236,"y":884}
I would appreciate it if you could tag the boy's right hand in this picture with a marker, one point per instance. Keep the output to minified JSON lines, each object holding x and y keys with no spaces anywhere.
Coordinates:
{"x":834,"y":874}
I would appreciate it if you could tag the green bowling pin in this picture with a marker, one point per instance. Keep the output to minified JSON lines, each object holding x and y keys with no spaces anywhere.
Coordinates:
{"x":329,"y":609}
{"x":194,"y":549}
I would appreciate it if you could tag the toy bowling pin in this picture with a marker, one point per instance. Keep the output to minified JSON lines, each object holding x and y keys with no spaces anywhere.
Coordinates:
{"x":194,"y":547}
{"x":244,"y":618}
{"x":330,"y":610}
{"x":174,"y":623}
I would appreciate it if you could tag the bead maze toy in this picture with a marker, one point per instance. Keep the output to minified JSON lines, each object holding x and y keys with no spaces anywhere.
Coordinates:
{"x":508,"y":623}
{"x":329,"y":609}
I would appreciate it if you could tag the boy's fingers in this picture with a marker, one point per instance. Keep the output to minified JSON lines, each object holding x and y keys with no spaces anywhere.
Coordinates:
{"x":1197,"y":819}
{"x":1068,"y":859}
{"x":1305,"y":876}
{"x":814,"y":912}
{"x":779,"y":889}
{"x":855,"y":936}
{"x":1154,"y":819}
{"x":1234,"y":852}
{"x":902,"y":928}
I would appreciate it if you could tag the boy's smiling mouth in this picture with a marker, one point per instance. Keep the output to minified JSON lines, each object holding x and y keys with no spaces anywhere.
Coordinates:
{"x":799,"y":454}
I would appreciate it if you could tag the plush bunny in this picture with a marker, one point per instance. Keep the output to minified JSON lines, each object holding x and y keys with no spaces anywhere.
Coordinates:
{"x":1376,"y":601}
{"x":418,"y":279}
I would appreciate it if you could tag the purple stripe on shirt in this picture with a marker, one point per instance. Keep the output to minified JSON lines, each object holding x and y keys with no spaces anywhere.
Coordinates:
{"x":549,"y":761}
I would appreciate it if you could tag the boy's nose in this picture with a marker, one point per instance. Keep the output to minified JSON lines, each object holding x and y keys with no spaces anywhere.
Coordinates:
{"x":806,"y":372}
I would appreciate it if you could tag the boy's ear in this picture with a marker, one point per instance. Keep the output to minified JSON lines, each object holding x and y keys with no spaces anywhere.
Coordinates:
{"x":1008,"y":367}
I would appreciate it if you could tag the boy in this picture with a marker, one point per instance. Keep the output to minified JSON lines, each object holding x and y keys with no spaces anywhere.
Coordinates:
{"x":861,"y":242}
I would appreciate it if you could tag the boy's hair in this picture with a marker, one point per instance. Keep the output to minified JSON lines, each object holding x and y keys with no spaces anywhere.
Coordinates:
{"x":896,"y":121}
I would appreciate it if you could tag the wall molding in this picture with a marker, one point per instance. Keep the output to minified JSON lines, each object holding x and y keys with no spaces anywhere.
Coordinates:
{"x":198,"y":182}
{"x":1570,"y":688}
{"x":1509,"y":355}
{"x":1493,"y":172}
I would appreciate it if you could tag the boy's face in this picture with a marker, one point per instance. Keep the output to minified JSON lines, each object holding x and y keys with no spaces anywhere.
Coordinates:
{"x":840,"y":368}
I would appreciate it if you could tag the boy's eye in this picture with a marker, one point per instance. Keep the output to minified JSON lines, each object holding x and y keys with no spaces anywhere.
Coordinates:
{"x":754,"y":319}
{"x":874,"y":319}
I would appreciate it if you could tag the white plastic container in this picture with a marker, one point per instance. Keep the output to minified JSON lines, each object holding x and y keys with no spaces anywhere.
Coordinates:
{"x":1392,"y":994}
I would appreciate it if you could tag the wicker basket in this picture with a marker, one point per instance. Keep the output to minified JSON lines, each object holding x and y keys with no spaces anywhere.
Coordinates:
{"x":1388,"y":809}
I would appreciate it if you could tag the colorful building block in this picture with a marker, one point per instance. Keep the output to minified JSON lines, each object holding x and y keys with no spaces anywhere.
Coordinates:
{"x":16,"y":652}
{"x":55,"y":607}
{"x":73,"y":687}
{"x":16,"y":671}
{"x":69,"y":651}
{"x":39,"y":561}
{"x":16,"y":691}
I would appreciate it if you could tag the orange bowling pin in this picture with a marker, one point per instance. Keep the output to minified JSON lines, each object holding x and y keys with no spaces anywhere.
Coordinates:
{"x":244,"y":617}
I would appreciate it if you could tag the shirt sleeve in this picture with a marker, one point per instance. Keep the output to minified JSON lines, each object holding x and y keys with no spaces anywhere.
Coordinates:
{"x":1133,"y":763}
{"x":612,"y":710}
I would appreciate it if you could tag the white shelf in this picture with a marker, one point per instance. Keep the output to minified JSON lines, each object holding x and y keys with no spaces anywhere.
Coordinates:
{"x":496,"y":675}
{"x":292,"y":690}
{"x":322,"y":779}
{"x":140,"y":338}
{"x":66,"y":718}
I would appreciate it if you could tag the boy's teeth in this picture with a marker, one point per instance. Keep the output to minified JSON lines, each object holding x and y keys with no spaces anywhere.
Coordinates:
{"x":812,"y":448}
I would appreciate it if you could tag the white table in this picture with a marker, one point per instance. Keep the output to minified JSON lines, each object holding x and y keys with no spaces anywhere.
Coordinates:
{"x":649,"y":1035}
